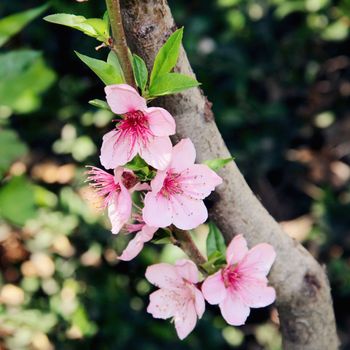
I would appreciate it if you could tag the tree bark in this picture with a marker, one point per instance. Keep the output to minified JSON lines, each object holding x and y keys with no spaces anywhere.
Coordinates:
{"x":303,"y":293}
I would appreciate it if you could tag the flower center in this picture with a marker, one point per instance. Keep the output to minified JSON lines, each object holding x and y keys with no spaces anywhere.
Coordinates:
{"x":171,"y":184}
{"x":129,"y":179}
{"x":103,"y":183}
{"x":135,"y":125}
{"x":230,"y":276}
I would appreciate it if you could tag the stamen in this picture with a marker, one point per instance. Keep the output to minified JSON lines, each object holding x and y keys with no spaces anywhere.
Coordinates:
{"x":103,"y":183}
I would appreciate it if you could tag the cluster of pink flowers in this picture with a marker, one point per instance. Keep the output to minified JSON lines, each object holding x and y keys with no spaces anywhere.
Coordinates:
{"x":174,"y":196}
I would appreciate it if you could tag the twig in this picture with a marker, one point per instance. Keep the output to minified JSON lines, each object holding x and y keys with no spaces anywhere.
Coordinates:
{"x":118,"y":41}
{"x":185,"y":242}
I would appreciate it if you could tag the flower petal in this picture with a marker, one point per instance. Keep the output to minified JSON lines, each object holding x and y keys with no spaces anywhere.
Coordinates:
{"x":178,"y":161}
{"x":160,"y":121}
{"x":198,"y":180}
{"x":185,"y":320}
{"x":164,"y":275}
{"x":255,"y":293}
{"x":162,"y":304}
{"x":157,"y":182}
{"x":157,"y":211}
{"x":233,"y":310}
{"x":119,"y":209}
{"x":213,"y":289}
{"x":157,"y":152}
{"x":236,"y":250}
{"x":135,"y":246}
{"x":187,"y":269}
{"x":123,"y":98}
{"x":258,"y":260}
{"x":116,"y":150}
{"x":188,"y":213}
{"x":133,"y":249}
{"x":199,"y":302}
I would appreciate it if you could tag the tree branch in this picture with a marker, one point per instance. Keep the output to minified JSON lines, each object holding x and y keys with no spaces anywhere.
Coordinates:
{"x":303,"y":294}
{"x":118,"y":44}
{"x":185,"y":242}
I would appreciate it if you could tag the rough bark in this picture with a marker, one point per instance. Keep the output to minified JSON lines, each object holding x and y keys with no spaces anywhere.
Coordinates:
{"x":303,"y":294}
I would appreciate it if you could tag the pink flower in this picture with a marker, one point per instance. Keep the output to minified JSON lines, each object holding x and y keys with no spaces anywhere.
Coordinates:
{"x":144,"y":234}
{"x":178,"y":297}
{"x":242,"y":283}
{"x":116,"y":193}
{"x":178,"y":191}
{"x":144,"y":131}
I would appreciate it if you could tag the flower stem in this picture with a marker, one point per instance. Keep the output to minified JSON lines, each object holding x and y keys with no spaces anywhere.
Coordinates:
{"x":185,"y":242}
{"x":118,"y":43}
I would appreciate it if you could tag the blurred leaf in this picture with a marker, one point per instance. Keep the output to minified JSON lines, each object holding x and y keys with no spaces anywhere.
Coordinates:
{"x":33,"y":319}
{"x":105,"y":71}
{"x":336,"y":31}
{"x":215,"y":240}
{"x":288,"y":7}
{"x":81,"y":320}
{"x":140,"y":71}
{"x":94,"y":27}
{"x":44,"y":198}
{"x":14,"y":23}
{"x":167,"y":56}
{"x":218,"y":163}
{"x":18,"y":70}
{"x":17,"y":200}
{"x":99,"y":104}
{"x":9,"y":154}
{"x":171,"y":83}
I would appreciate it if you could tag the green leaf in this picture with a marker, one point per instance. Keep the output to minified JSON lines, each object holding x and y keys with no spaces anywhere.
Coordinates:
{"x":171,"y":83}
{"x":14,"y":23}
{"x":215,"y":240}
{"x":99,"y":104}
{"x":105,"y":71}
{"x":137,"y":163}
{"x":217,"y":163}
{"x":140,"y":71}
{"x":113,"y":60}
{"x":11,"y":148}
{"x":17,"y":200}
{"x":18,"y":70}
{"x":94,"y":27}
{"x":167,"y":56}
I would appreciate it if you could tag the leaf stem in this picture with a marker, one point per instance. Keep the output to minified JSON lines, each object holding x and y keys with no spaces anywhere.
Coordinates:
{"x":185,"y":242}
{"x":118,"y":41}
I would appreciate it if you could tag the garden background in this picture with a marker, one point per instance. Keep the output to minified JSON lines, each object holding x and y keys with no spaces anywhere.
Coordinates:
{"x":278,"y":74}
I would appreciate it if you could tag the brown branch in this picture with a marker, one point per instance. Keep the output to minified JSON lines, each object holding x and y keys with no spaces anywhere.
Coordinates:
{"x":185,"y":242}
{"x":118,"y":41}
{"x":303,"y":294}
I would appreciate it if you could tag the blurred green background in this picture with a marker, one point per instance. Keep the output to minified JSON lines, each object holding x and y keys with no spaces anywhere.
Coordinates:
{"x":278,"y":73}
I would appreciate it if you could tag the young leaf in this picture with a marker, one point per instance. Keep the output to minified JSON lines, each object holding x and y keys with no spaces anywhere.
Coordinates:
{"x":217,"y":163}
{"x":105,"y":71}
{"x":99,"y":104}
{"x":215,"y":240}
{"x":14,"y":23}
{"x":167,"y":56}
{"x":137,"y":163}
{"x":171,"y":83}
{"x":113,"y":60}
{"x":95,"y":27}
{"x":140,"y":71}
